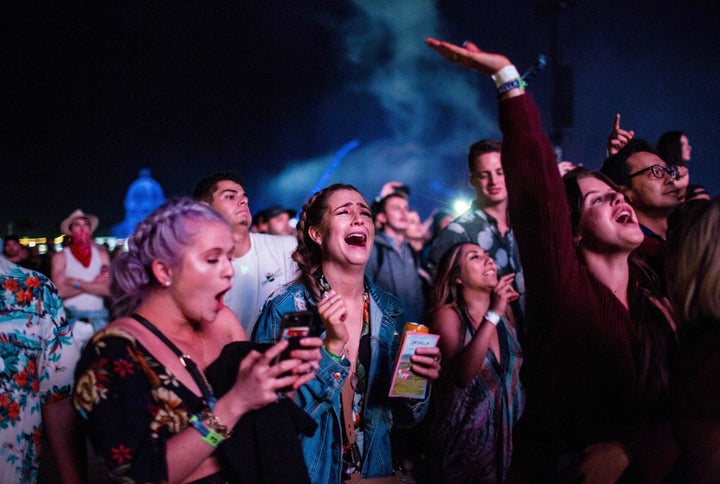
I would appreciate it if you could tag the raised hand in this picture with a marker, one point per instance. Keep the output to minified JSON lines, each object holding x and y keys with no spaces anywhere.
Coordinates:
{"x":618,"y":137}
{"x":503,"y":294}
{"x":470,"y":56}
{"x":333,"y":312}
{"x":390,"y":187}
{"x":566,"y":167}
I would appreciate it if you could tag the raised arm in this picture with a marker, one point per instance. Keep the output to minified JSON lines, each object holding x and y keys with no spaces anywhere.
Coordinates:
{"x":537,"y":202}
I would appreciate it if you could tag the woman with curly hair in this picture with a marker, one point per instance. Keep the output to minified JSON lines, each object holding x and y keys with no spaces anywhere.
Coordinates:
{"x":141,"y":391}
{"x":348,"y":397}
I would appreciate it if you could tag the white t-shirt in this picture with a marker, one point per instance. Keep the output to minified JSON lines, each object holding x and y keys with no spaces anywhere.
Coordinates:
{"x":266,"y":266}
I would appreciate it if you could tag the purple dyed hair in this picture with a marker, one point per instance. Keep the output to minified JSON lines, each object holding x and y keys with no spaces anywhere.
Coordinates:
{"x":161,"y":236}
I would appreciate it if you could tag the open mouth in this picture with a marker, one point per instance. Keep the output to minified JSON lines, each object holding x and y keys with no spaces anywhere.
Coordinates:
{"x":489,"y":272}
{"x":356,"y":239}
{"x":219,"y":296}
{"x":624,"y":217}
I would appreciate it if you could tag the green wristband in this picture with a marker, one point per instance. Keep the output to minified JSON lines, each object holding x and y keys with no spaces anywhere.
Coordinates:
{"x":209,"y":435}
{"x":332,"y":355}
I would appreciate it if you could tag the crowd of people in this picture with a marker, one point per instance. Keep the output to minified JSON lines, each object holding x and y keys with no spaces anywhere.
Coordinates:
{"x":578,"y":314}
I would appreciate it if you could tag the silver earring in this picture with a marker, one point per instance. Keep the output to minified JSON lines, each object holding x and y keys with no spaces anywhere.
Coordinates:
{"x":167,"y":283}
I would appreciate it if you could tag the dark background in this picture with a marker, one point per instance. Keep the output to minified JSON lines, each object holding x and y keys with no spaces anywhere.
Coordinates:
{"x":92,"y":92}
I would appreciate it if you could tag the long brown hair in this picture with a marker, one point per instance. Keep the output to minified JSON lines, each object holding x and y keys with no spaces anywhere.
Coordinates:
{"x":650,"y":311}
{"x":445,"y":288}
{"x":693,"y":263}
{"x":308,"y":254}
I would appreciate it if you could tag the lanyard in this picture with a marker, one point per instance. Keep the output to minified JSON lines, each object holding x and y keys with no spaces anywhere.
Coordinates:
{"x":186,"y":361}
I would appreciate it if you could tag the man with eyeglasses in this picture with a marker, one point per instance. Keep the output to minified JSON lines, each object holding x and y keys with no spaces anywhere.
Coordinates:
{"x":650,"y":185}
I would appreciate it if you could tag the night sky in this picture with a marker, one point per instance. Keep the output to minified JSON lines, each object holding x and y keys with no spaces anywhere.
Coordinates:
{"x":93,"y":92}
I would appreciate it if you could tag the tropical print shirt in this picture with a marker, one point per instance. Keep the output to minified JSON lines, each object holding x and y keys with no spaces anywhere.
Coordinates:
{"x":130,"y":406}
{"x":37,"y":359}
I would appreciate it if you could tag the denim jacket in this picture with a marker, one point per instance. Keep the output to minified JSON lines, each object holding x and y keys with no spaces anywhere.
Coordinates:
{"x":320,"y":398}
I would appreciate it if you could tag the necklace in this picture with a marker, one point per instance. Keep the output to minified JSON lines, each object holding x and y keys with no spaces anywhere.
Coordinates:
{"x":361,"y":360}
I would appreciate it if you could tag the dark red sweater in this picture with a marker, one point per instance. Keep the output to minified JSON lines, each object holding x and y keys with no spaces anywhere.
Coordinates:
{"x":580,"y":358}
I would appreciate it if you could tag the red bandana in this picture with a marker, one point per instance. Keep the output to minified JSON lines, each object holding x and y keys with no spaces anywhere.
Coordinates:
{"x":82,"y":252}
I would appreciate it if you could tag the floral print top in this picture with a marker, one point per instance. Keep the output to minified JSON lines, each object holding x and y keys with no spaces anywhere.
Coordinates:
{"x":130,"y":406}
{"x":37,"y":358}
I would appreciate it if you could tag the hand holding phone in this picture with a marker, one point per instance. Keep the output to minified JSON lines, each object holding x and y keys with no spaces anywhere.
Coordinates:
{"x":293,"y":327}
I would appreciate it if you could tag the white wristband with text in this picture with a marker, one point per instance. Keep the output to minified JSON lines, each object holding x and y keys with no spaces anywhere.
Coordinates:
{"x":506,"y":74}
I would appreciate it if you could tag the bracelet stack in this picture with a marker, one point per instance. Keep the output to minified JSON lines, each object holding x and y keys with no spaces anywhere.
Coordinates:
{"x":212,"y":430}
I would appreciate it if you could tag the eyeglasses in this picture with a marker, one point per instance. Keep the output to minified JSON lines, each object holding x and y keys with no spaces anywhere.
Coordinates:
{"x":658,"y":171}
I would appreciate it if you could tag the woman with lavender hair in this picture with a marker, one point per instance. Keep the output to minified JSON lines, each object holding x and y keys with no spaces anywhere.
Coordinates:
{"x":140,"y":386}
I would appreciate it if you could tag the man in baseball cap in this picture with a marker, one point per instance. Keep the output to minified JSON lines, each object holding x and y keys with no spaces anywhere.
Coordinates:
{"x":275,"y":220}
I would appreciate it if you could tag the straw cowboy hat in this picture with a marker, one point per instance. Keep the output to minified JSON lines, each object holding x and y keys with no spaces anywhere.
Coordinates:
{"x":65,"y":224}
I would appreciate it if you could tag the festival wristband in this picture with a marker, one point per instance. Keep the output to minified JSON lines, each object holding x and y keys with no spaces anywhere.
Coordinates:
{"x":212,"y":431}
{"x":333,"y":356}
{"x":492,"y":317}
{"x":505,"y":75}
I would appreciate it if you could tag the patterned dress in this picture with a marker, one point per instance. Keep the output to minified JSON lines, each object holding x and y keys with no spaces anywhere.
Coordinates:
{"x":471,"y":430}
{"x":37,"y":358}
{"x":130,"y":406}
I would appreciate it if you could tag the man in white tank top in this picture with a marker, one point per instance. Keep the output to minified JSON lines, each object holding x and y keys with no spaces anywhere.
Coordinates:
{"x":81,"y":273}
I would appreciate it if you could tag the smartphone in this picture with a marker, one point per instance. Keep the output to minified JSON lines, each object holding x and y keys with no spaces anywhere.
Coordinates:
{"x":293,"y":327}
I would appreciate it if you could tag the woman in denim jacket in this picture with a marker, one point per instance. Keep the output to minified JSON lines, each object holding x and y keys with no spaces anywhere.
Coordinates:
{"x":335,"y":238}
